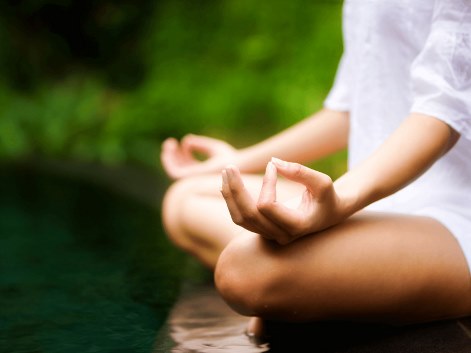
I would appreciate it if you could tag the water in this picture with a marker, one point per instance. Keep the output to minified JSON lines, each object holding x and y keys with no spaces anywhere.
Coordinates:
{"x":83,"y":269}
{"x":201,"y":322}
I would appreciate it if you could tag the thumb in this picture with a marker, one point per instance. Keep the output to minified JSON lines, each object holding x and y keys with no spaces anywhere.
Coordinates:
{"x":315,"y":181}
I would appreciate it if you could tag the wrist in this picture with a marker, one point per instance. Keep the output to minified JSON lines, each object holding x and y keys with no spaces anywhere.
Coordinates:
{"x":350,"y":197}
{"x":241,"y":161}
{"x":248,"y":160}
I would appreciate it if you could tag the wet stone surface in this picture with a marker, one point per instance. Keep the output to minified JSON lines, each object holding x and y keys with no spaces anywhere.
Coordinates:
{"x":201,"y":322}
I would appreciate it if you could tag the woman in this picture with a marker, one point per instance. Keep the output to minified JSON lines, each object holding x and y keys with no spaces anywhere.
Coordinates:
{"x":390,"y":240}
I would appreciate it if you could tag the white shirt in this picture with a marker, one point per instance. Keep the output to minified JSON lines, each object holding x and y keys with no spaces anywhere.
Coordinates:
{"x":403,"y":56}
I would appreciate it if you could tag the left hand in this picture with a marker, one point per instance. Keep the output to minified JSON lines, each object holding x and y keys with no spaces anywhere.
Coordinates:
{"x":178,"y":158}
{"x":319,"y":208}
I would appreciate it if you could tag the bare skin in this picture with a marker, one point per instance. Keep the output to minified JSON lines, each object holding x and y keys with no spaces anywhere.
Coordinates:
{"x":187,"y":205}
{"x":372,"y":267}
{"x":321,"y":258}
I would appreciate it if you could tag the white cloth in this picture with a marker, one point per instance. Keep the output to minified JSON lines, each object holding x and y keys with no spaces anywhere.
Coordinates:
{"x":403,"y":56}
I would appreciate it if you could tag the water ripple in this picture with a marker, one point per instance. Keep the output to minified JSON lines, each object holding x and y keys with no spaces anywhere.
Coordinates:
{"x":200,"y":321}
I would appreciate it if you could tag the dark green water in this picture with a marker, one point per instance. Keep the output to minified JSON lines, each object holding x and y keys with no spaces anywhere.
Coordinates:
{"x":81,"y":269}
{"x":85,"y":270}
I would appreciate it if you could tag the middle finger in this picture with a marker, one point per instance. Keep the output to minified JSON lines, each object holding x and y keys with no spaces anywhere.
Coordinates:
{"x":251,"y":218}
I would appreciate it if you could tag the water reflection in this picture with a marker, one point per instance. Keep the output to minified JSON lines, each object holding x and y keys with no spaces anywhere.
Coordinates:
{"x":200,"y":321}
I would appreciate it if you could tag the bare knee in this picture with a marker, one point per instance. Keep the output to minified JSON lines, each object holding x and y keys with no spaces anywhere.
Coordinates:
{"x":172,"y":216}
{"x":246,"y":276}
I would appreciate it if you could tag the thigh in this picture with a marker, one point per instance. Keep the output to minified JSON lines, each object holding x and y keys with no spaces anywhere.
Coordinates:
{"x":204,"y":211}
{"x":196,"y":218}
{"x":373,"y":267}
{"x":210,"y":186}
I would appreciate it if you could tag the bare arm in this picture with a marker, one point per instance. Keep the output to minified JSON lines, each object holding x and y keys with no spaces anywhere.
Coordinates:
{"x":317,"y":136}
{"x":407,"y":153}
{"x":314,"y":137}
{"x":418,"y":142}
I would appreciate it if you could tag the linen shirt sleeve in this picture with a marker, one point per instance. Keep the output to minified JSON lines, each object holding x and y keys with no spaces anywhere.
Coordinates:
{"x":441,"y":73}
{"x":339,"y":95}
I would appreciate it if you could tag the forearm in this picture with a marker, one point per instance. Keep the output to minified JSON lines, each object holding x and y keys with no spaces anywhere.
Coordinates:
{"x":315,"y":137}
{"x":418,"y":142}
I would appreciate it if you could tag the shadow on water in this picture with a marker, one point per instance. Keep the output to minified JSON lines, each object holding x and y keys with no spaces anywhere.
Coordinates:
{"x":83,"y":269}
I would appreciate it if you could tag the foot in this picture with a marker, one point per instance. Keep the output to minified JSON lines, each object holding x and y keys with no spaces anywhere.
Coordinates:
{"x":255,"y":328}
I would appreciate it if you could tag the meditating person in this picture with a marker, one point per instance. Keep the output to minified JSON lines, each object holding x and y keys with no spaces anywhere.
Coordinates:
{"x":390,"y":240}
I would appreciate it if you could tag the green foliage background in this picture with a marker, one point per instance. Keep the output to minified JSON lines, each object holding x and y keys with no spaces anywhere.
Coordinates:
{"x":108,"y":80}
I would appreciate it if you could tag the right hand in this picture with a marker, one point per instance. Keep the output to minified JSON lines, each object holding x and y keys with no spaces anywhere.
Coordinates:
{"x":179,"y":161}
{"x":318,"y":208}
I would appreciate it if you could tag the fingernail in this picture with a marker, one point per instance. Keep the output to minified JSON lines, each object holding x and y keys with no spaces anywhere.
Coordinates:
{"x":270,"y":167}
{"x":279,"y":162}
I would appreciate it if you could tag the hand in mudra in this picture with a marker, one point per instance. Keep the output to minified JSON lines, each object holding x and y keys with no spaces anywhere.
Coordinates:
{"x":179,"y":161}
{"x":318,"y":208}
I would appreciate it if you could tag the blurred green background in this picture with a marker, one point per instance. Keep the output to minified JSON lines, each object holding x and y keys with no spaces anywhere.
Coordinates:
{"x":88,"y":92}
{"x":106,"y":81}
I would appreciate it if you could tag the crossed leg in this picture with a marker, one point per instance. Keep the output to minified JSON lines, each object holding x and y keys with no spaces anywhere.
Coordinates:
{"x":373,"y":267}
{"x":196,"y":218}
